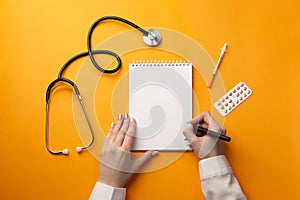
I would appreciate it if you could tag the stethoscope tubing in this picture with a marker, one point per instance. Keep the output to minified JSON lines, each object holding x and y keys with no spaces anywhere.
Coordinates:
{"x":91,"y":54}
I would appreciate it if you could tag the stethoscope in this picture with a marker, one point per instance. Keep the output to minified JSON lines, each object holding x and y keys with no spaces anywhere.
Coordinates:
{"x":151,"y":38}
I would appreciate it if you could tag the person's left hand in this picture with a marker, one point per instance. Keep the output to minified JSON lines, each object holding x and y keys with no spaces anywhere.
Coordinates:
{"x":116,"y":164}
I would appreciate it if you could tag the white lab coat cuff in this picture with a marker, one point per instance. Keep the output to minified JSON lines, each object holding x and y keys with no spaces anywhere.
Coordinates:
{"x":106,"y":192}
{"x":214,"y":166}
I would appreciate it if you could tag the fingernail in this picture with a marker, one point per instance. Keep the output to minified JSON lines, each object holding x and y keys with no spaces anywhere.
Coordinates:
{"x":120,"y":116}
{"x":188,"y":144}
{"x":131,"y":119}
{"x":154,"y":153}
{"x":112,"y":124}
{"x":126,"y":116}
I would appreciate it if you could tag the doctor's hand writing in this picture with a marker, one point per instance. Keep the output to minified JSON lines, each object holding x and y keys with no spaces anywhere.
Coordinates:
{"x":117,"y":166}
{"x":206,"y":146}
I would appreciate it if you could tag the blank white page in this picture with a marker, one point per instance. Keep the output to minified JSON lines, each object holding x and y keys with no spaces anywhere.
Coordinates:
{"x":160,"y":99}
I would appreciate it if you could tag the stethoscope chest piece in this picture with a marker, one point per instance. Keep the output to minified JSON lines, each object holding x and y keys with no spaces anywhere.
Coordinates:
{"x":153,"y":38}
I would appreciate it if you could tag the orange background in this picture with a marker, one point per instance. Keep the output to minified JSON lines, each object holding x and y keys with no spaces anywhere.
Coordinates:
{"x":37,"y":37}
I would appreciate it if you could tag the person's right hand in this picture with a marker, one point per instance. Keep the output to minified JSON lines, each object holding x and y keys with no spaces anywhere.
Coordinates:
{"x":205,"y":146}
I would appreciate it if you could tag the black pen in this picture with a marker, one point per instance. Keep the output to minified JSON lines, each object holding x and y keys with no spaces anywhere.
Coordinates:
{"x":203,"y":131}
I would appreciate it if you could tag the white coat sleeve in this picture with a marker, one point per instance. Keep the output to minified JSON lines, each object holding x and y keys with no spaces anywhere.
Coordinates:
{"x":105,"y":192}
{"x":218,"y":181}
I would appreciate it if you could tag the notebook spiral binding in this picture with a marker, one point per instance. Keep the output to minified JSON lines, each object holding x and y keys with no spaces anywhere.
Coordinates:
{"x":160,"y":63}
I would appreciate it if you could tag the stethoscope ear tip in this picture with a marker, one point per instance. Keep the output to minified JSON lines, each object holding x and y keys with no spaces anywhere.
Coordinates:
{"x":65,"y":151}
{"x":79,"y":149}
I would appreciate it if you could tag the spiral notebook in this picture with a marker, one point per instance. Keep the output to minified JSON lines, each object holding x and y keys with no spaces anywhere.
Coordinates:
{"x":160,"y":99}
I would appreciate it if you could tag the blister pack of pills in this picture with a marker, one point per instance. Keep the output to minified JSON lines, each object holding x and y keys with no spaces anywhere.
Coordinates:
{"x":233,"y":98}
